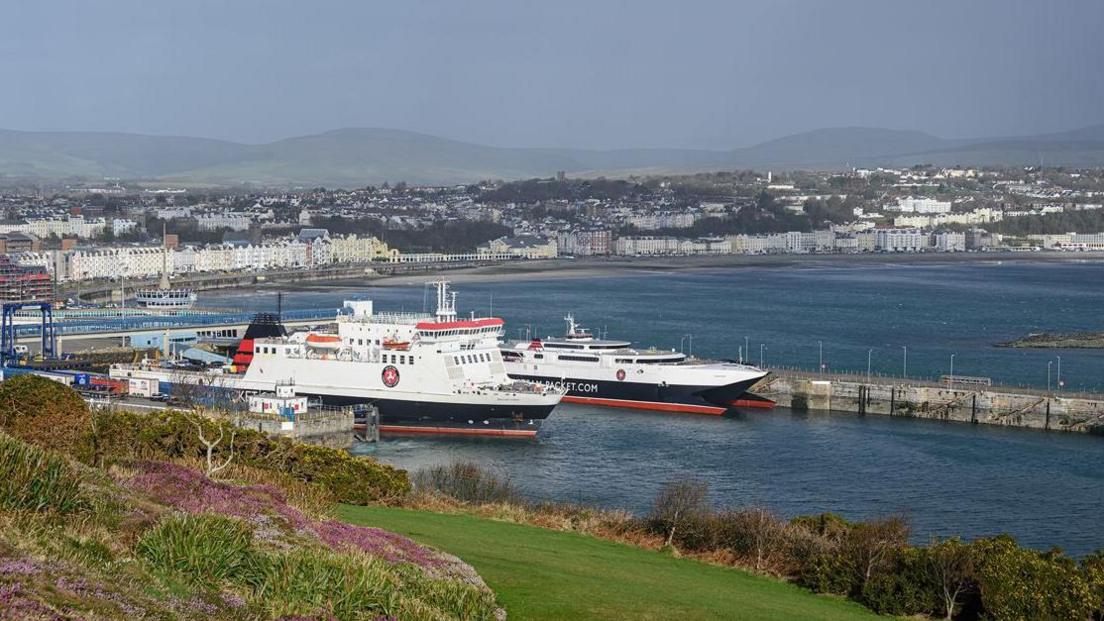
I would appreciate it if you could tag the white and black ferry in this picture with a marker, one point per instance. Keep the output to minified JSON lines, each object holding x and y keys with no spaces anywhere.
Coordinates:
{"x":426,"y":373}
{"x":605,"y":372}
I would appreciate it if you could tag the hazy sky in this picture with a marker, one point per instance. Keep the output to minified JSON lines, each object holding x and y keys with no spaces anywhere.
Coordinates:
{"x":598,"y":74}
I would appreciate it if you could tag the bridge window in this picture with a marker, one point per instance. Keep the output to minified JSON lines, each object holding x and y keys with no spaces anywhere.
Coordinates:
{"x":579,"y":358}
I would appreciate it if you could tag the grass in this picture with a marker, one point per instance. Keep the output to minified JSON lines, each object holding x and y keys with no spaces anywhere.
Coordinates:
{"x":545,"y":574}
{"x":34,"y":479}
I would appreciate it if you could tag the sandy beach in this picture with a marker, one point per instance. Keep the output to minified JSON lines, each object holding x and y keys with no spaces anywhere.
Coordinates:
{"x":597,"y":267}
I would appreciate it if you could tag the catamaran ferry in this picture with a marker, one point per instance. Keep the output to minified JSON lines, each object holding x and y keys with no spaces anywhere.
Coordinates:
{"x":611,"y":373}
{"x":426,"y":373}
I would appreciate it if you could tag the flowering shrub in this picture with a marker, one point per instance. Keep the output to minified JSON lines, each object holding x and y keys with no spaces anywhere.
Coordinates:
{"x":265,"y":508}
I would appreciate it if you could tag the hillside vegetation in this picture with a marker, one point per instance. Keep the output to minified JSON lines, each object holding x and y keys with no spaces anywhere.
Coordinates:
{"x":94,"y":532}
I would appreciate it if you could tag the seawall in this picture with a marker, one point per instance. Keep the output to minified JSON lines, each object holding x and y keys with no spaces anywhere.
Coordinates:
{"x":988,"y":405}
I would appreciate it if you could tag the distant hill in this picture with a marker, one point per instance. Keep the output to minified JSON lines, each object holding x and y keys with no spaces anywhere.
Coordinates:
{"x":359,"y":156}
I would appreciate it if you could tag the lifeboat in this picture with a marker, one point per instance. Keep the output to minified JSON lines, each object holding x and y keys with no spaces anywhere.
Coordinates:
{"x":323,"y":341}
{"x":396,"y":344}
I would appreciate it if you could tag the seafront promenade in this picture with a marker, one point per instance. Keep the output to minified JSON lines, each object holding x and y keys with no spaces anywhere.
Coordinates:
{"x":954,"y":399}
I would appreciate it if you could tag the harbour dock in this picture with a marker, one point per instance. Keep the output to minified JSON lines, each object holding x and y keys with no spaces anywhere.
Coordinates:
{"x":959,"y":400}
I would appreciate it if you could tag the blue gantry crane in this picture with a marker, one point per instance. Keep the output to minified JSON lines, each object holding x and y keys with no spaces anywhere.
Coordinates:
{"x":7,"y":330}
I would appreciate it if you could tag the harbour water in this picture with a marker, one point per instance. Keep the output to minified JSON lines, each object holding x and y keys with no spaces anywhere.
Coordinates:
{"x":1044,"y":488}
{"x":947,"y":478}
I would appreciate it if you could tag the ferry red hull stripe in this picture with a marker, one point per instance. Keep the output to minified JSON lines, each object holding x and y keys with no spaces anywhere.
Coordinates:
{"x":458,"y":431}
{"x":647,"y":405}
{"x":765,"y":404}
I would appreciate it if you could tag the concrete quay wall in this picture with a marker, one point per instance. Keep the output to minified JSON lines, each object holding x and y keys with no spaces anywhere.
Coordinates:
{"x":967,"y":404}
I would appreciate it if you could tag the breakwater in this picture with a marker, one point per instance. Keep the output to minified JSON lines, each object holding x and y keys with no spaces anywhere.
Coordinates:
{"x":947,"y":401}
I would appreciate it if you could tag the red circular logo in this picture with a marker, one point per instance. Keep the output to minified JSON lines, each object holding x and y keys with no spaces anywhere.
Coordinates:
{"x":620,"y":374}
{"x":390,"y":376}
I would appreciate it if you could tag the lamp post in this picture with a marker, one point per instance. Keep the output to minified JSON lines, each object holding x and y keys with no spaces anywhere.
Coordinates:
{"x":952,"y":370}
{"x":904,"y":362}
{"x":1059,"y":373}
{"x":821,"y":361}
{"x":1049,"y":363}
{"x":869,"y":353}
{"x":761,"y":348}
{"x":690,"y":340}
{"x":747,"y":349}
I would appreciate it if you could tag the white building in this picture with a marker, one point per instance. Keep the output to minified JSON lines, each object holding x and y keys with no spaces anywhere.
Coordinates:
{"x":73,"y":226}
{"x":899,"y":240}
{"x":911,"y":204}
{"x":213,"y":222}
{"x":949,"y":241}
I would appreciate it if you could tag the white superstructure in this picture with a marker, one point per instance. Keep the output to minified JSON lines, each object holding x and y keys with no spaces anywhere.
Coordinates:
{"x":612,"y":373}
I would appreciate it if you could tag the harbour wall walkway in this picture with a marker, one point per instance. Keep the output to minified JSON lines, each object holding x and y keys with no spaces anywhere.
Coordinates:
{"x":946,"y":401}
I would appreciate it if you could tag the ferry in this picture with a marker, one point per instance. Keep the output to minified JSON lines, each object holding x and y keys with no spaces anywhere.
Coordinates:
{"x":165,"y":299}
{"x":604,"y":372}
{"x":436,"y":373}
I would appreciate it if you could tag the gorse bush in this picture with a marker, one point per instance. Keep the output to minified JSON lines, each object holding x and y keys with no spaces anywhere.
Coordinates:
{"x":205,"y":549}
{"x":37,"y":480}
{"x":466,"y":481}
{"x":172,"y":435}
{"x":1017,"y":583}
{"x":46,"y":414}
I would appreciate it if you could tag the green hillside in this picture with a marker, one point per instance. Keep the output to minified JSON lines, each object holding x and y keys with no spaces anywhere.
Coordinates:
{"x":544,"y":574}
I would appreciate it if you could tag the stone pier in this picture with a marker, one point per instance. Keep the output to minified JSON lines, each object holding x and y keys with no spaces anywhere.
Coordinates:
{"x":987,"y":405}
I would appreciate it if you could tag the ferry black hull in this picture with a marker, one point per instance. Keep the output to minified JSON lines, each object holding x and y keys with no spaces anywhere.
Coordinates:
{"x":397,"y":415}
{"x":714,"y":400}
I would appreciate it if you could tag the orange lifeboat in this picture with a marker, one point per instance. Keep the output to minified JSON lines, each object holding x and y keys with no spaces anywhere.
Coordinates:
{"x":396,"y":345}
{"x":323,"y":341}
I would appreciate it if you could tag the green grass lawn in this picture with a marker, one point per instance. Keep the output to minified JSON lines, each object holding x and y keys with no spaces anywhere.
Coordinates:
{"x":544,"y":574}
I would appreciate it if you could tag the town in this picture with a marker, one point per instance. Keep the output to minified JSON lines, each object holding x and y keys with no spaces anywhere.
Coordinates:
{"x":101,"y":234}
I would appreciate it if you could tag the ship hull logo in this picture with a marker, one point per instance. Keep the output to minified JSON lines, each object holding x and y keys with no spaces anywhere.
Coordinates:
{"x":390,"y":376}
{"x":621,"y":374}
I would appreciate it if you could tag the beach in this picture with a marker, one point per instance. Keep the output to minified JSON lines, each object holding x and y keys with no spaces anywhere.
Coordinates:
{"x":597,"y":267}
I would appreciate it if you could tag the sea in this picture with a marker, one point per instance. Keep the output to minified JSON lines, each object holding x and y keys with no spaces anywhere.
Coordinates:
{"x":1044,"y":488}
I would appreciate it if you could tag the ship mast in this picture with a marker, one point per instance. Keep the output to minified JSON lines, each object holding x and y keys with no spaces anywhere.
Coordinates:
{"x":446,"y":302}
{"x":164,"y":258}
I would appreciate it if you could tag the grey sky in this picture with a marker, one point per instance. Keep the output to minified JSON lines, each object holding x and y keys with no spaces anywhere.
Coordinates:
{"x":597,"y":74}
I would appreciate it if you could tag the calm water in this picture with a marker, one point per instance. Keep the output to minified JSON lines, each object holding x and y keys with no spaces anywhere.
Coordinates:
{"x":1045,"y":488}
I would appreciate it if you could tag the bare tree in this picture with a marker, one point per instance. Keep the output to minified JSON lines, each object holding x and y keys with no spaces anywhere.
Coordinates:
{"x":758,"y":535}
{"x":950,"y":563}
{"x":680,"y":502}
{"x":213,"y":467}
{"x":871,"y":543}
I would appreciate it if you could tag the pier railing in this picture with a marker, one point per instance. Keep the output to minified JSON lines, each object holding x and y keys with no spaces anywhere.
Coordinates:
{"x":890,"y":379}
